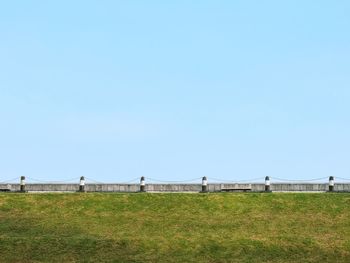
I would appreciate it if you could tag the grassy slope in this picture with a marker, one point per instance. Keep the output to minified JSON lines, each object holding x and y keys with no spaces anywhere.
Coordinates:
{"x":175,"y":227}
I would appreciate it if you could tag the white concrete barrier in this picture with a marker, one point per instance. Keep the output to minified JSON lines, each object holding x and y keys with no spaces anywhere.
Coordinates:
{"x":274,"y":187}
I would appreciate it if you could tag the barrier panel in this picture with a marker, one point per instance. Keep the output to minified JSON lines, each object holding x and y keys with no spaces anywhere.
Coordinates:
{"x":217,"y":187}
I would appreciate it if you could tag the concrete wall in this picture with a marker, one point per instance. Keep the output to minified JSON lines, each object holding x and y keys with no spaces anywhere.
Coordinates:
{"x":175,"y":187}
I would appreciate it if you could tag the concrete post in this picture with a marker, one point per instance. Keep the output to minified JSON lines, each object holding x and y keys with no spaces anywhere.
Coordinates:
{"x":204,"y":184}
{"x":331,"y":184}
{"x":82,"y":184}
{"x":267,"y":184}
{"x":23,"y":184}
{"x":142,"y":184}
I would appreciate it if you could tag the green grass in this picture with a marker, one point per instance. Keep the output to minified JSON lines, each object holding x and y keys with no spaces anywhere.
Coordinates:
{"x":175,"y":227}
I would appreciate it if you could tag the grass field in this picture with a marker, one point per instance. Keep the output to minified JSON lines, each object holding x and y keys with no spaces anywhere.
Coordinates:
{"x":175,"y":227}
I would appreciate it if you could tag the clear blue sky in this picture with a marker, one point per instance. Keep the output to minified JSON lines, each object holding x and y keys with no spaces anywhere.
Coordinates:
{"x":174,"y":90}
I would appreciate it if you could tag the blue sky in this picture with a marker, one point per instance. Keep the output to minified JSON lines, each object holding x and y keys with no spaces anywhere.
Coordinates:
{"x":174,"y":90}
